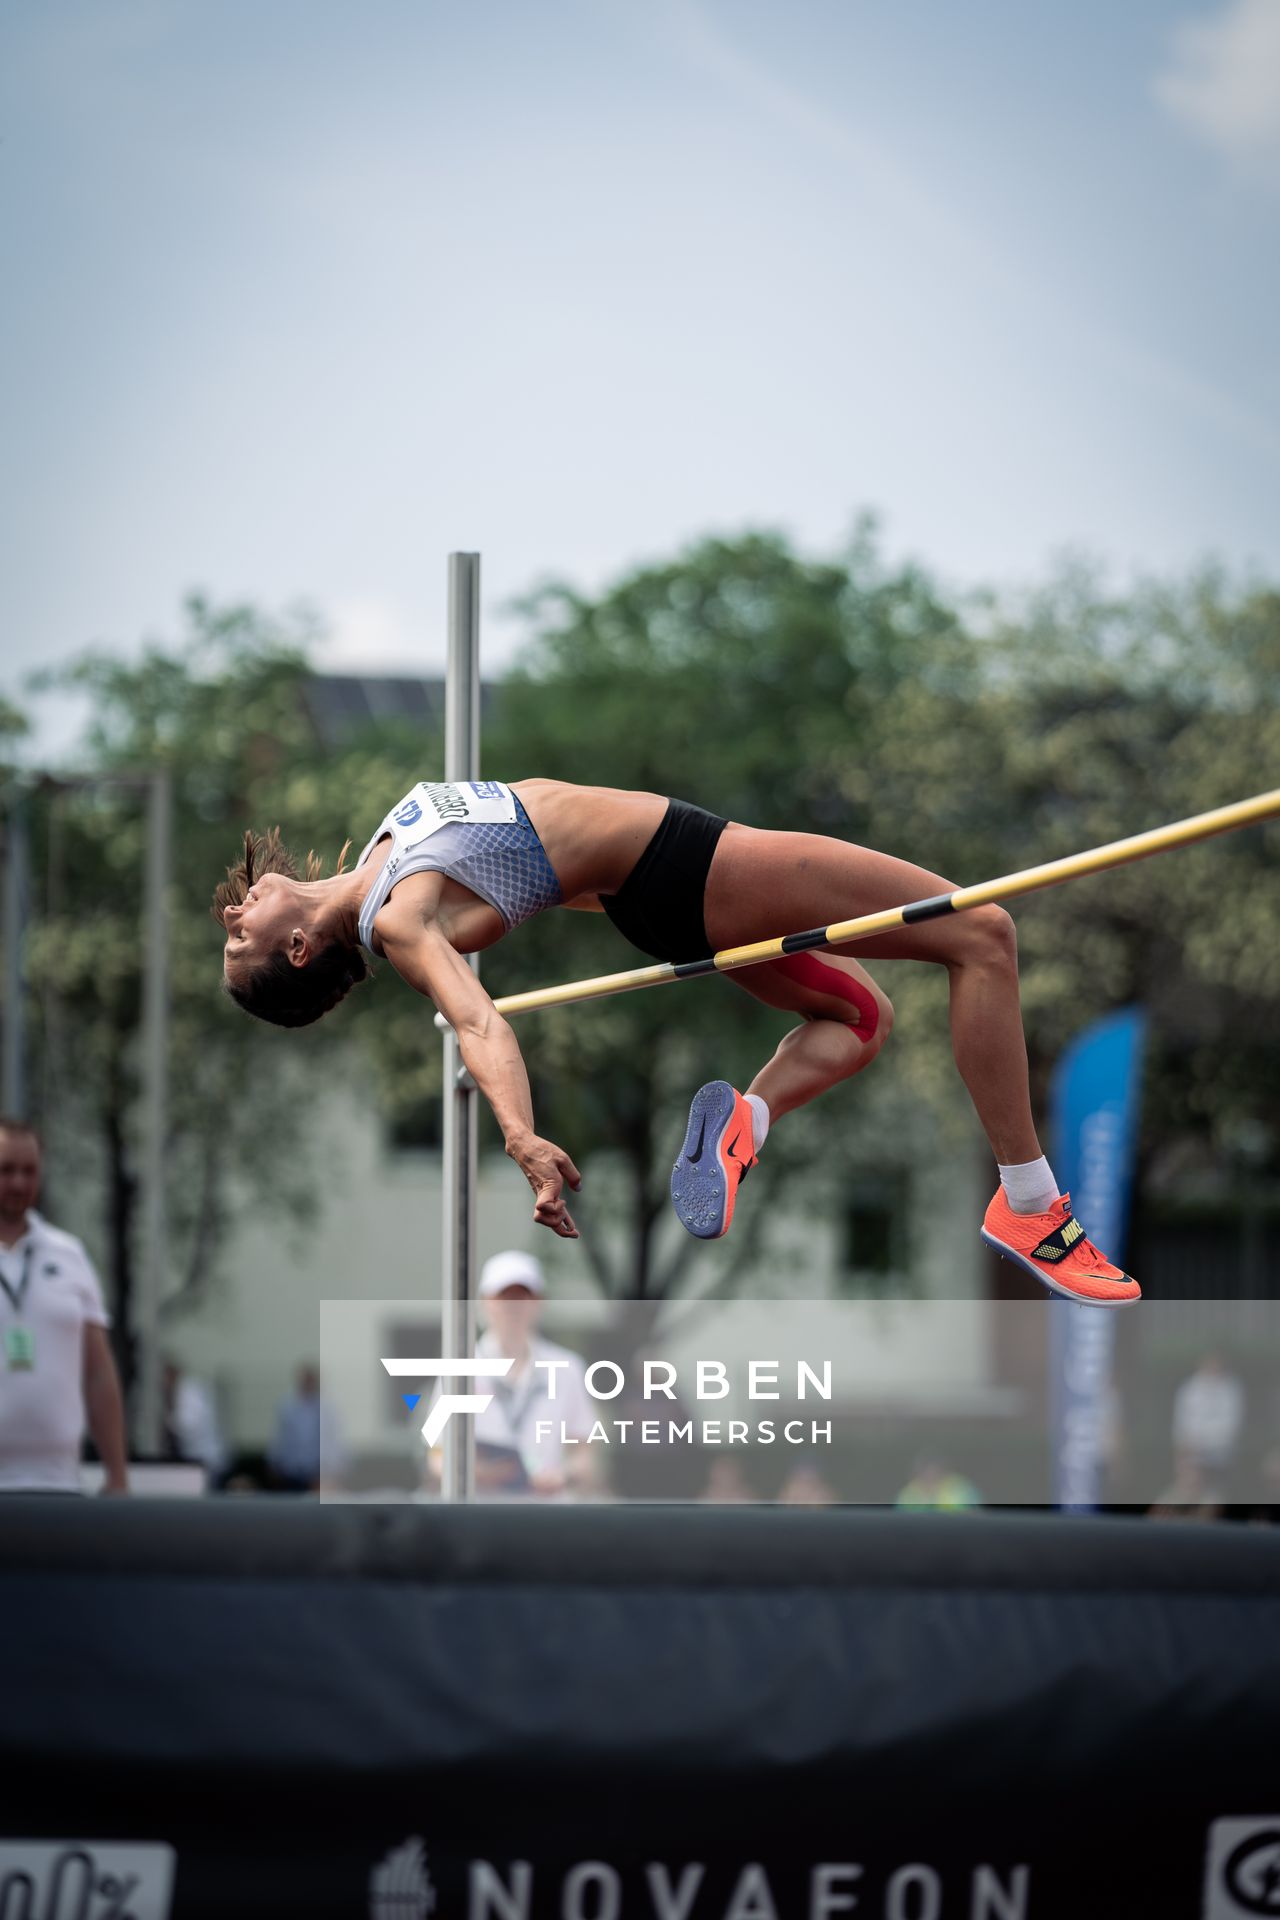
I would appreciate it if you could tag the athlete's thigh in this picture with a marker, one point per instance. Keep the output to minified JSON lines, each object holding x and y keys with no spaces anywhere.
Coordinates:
{"x":825,"y":986}
{"x":763,"y":883}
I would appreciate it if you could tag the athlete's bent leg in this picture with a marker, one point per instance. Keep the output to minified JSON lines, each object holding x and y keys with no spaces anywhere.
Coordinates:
{"x":987,"y":1037}
{"x":764,"y":884}
{"x":847,"y":1021}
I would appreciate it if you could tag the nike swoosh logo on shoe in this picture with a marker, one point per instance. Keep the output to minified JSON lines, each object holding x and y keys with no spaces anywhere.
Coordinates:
{"x":739,"y":1163}
{"x":697,"y":1152}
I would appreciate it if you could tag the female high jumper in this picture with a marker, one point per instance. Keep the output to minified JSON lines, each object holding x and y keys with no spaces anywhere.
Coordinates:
{"x":455,"y":866}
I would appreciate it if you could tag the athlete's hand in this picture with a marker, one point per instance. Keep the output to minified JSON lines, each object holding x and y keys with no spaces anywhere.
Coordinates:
{"x":547,"y":1168}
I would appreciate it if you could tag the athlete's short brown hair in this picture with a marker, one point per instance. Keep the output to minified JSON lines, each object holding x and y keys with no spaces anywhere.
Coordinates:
{"x":275,"y":989}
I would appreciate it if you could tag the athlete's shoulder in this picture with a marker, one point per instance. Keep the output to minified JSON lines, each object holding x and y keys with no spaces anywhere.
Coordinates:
{"x":412,"y":902}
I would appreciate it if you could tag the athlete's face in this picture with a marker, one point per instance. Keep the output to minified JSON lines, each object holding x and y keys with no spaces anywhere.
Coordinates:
{"x":261,"y":926}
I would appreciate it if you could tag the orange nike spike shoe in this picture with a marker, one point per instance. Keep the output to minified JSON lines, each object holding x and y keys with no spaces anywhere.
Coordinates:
{"x":718,"y":1152}
{"x":1054,"y":1247}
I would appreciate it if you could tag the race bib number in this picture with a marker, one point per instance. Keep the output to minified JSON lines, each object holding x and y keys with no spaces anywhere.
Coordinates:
{"x":433,"y":804}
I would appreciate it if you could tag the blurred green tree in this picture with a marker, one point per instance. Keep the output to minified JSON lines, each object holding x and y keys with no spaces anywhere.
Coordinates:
{"x":223,"y":710}
{"x":845,"y":696}
{"x":853,"y":698}
{"x":1119,"y":712}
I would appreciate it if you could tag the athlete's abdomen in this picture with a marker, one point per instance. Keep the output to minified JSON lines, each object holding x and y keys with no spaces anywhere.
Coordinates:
{"x":592,"y":836}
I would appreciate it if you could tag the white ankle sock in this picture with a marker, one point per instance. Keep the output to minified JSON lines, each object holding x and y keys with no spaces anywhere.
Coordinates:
{"x":759,"y":1120}
{"x":1029,"y":1187}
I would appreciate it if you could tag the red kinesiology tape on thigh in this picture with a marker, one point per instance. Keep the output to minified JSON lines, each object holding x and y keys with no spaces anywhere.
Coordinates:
{"x":808,"y":971}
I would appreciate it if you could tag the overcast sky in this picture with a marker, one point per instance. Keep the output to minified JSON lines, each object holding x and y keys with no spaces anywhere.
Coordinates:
{"x":300,"y":295}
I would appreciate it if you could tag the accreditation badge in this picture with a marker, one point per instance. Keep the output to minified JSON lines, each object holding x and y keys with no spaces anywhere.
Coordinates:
{"x":19,"y":1349}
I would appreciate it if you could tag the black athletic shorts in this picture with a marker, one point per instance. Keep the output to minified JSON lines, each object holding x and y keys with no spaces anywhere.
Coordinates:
{"x":658,"y":908}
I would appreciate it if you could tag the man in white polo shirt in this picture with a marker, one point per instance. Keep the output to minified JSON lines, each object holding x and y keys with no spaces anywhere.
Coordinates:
{"x":511,"y":1457}
{"x":57,"y":1373}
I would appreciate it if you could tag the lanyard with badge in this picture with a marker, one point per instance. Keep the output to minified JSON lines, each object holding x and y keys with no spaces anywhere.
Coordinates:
{"x":514,"y":1398}
{"x":19,"y":1341}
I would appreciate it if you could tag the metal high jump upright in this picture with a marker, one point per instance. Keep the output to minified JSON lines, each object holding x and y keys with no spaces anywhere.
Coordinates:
{"x":458,"y":1159}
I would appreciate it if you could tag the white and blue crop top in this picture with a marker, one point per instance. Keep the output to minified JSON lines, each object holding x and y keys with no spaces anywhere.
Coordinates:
{"x":476,"y":832}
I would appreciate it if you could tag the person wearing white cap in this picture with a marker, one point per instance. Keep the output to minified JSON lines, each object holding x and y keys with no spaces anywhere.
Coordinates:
{"x":545,"y":1389}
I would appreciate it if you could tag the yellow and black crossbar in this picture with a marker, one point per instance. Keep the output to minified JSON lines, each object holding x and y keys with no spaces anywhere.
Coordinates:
{"x":1181,"y":833}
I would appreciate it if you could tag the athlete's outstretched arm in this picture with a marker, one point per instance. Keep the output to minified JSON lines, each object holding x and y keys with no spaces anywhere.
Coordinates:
{"x":423,"y":957}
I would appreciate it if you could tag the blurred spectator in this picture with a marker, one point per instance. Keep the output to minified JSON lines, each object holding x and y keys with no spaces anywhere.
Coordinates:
{"x":936,"y":1485}
{"x":727,"y":1483}
{"x":1190,"y":1495}
{"x":806,"y":1486}
{"x":1208,"y":1414}
{"x":307,"y":1446}
{"x":58,"y":1373}
{"x":191,"y":1430}
{"x":545,"y":1389}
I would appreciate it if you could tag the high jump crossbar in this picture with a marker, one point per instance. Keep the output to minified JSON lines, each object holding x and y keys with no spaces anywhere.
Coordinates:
{"x":1180,"y":833}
